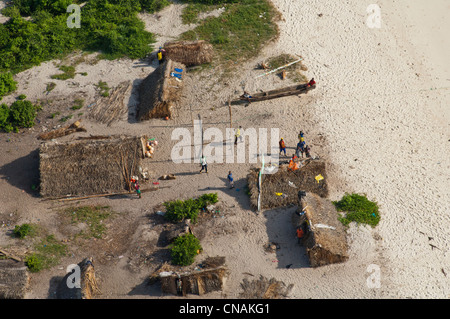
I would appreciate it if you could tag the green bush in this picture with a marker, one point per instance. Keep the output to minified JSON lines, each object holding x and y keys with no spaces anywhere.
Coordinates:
{"x":22,"y":114}
{"x":211,"y":1}
{"x":153,"y":5}
{"x":358,"y":209}
{"x":184,"y":249}
{"x":4,"y":116}
{"x":22,"y":97}
{"x":23,"y":231}
{"x":7,"y":83}
{"x":34,"y":262}
{"x":178,"y":210}
{"x":110,"y":27}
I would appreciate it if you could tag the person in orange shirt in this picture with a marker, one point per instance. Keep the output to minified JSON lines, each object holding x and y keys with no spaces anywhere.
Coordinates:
{"x":300,"y":234}
{"x":282,"y":146}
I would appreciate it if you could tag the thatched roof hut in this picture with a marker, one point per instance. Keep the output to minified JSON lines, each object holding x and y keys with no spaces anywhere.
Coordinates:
{"x":325,"y":237}
{"x":87,"y":167}
{"x":160,"y":92}
{"x":281,"y":188}
{"x":14,"y":279}
{"x":196,"y":282}
{"x":88,"y":283}
{"x":210,"y":278}
{"x":189,"y":52}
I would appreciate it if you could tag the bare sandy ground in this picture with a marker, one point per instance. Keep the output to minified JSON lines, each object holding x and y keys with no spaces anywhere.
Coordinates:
{"x":379,"y":116}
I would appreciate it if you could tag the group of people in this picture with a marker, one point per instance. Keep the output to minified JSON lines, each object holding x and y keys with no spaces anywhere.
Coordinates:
{"x":301,"y":149}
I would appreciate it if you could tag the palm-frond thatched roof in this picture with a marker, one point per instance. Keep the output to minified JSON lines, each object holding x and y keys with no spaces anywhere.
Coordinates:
{"x":86,"y":167}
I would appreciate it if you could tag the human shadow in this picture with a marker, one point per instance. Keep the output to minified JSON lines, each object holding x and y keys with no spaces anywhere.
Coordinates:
{"x":281,"y":231}
{"x":23,"y":173}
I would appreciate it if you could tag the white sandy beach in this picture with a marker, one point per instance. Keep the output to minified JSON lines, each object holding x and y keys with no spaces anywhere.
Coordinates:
{"x":382,"y":107}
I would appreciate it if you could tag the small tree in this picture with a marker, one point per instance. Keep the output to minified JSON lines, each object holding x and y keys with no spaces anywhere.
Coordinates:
{"x":184,"y":250}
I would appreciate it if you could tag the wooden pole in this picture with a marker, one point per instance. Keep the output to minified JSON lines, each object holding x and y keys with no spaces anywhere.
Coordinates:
{"x":281,"y":67}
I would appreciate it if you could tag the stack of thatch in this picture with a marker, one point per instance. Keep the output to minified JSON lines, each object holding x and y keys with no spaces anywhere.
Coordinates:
{"x":88,"y":283}
{"x":88,"y":167}
{"x":264,"y":288}
{"x":287,"y":183}
{"x":13,"y":279}
{"x":189,"y":52}
{"x":325,"y":239}
{"x":160,"y":92}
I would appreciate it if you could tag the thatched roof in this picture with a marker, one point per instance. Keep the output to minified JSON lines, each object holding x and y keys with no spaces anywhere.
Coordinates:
{"x":303,"y":179}
{"x":195,"y":282}
{"x":264,"y":288}
{"x":325,"y":240}
{"x":88,"y":283}
{"x":13,"y":279}
{"x":160,"y":92}
{"x":189,"y":52}
{"x":89,"y":167}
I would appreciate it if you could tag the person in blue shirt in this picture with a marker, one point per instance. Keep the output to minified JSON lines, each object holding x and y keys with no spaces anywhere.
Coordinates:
{"x":230,"y":179}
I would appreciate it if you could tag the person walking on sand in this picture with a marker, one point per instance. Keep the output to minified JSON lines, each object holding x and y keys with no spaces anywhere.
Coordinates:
{"x":311,"y":83}
{"x":204,"y":164}
{"x":137,"y":188}
{"x":230,"y":179}
{"x":238,"y":135}
{"x":282,"y":146}
{"x":307,"y":151}
{"x":299,"y":150}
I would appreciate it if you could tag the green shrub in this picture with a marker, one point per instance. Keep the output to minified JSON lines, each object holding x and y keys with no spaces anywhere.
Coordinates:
{"x":34,"y":262}
{"x":22,"y":97}
{"x":358,"y":209}
{"x":207,"y":199}
{"x":7,"y":83}
{"x":24,"y":230}
{"x":48,"y":253}
{"x":188,"y":209}
{"x":4,"y":116}
{"x":184,"y":249}
{"x":153,"y":5}
{"x":22,"y":114}
{"x":110,"y":27}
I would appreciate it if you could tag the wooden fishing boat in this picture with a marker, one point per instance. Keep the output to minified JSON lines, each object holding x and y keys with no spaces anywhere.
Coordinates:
{"x":273,"y":94}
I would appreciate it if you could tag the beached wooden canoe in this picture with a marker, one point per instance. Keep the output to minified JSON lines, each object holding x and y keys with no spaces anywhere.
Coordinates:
{"x":273,"y":94}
